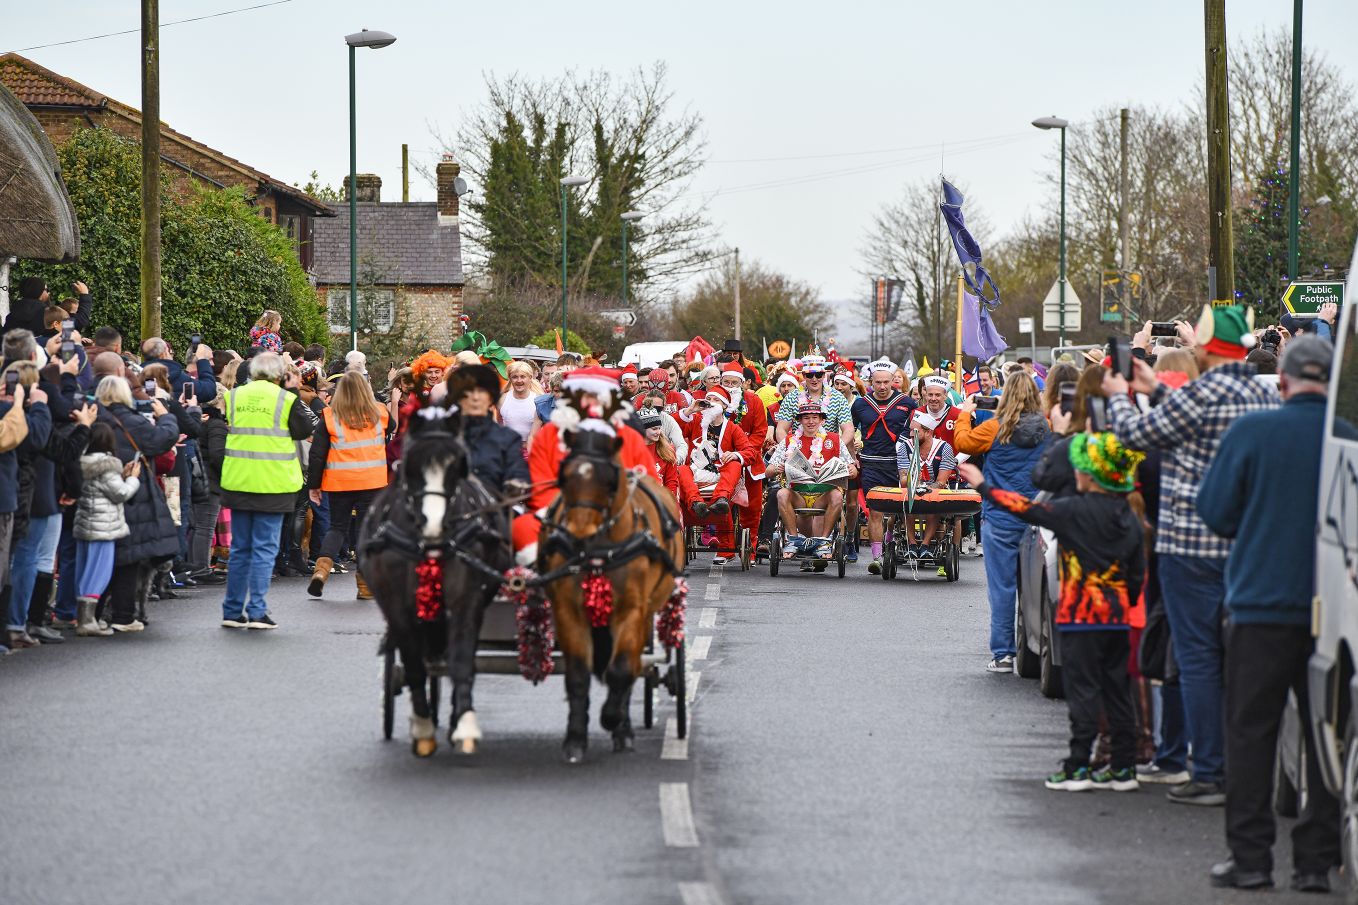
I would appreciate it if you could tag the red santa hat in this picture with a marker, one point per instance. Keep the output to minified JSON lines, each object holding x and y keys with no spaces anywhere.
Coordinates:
{"x":602,"y":382}
{"x":717,"y":394}
{"x":630,"y":369}
{"x":733,"y":367}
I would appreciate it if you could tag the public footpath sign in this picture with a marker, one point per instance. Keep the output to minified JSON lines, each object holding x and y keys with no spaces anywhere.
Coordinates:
{"x":1306,"y":296}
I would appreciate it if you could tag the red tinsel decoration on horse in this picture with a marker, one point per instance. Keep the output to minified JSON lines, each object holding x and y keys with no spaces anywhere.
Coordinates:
{"x":533,"y":619}
{"x":596,"y":592}
{"x":670,"y":625}
{"x":429,"y":589}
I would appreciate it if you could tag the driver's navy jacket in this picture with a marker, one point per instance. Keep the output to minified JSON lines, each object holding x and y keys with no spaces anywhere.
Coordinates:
{"x":496,"y":453}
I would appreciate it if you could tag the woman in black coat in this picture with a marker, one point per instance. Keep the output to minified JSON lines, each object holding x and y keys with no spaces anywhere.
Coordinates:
{"x":496,"y":451}
{"x":212,"y":452}
{"x":153,"y":537}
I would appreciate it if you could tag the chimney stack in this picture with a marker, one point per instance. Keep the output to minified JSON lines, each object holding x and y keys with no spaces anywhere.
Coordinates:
{"x":446,"y":175}
{"x":369,"y":187}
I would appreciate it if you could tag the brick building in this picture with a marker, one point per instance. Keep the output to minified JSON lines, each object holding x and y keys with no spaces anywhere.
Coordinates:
{"x":410,"y":262}
{"x":62,"y":105}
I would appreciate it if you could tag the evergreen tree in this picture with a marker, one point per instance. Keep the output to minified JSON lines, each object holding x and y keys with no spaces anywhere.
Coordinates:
{"x":1261,"y":242}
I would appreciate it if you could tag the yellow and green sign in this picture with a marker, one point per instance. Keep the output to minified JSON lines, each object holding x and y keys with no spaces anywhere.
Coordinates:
{"x":1306,"y":296}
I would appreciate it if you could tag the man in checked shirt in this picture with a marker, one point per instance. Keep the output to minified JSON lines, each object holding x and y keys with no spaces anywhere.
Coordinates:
{"x":1187,"y":424}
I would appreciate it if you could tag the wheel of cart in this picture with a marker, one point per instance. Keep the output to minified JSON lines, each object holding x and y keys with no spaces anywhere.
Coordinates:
{"x":742,"y":551}
{"x":809,"y":503}
{"x":672,"y":678}
{"x":889,"y":549}
{"x":904,"y":517}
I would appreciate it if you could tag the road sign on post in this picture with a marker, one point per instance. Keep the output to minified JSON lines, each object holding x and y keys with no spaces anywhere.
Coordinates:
{"x":1025,"y":325}
{"x":1051,"y":309}
{"x":623,"y":317}
{"x":1306,"y":296}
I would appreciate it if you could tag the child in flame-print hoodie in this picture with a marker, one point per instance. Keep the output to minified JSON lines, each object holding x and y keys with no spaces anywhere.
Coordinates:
{"x":1102,"y":555}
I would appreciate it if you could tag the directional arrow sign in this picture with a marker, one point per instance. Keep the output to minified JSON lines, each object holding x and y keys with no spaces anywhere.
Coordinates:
{"x":1306,"y":296}
{"x":625,"y":317}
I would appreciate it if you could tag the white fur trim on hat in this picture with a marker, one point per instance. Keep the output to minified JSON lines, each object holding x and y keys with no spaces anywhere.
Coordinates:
{"x":564,"y":417}
{"x":597,"y":425}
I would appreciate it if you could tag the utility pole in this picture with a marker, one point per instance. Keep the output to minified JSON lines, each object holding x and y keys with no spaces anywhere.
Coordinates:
{"x":1124,"y":240}
{"x":150,"y":168}
{"x":1220,"y":254}
{"x":737,"y":293}
{"x":1294,"y":155}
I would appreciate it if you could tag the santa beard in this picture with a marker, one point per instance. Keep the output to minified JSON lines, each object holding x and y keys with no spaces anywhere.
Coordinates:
{"x":712,"y":415}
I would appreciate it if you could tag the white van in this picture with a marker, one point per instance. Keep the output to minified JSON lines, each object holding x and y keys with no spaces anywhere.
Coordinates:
{"x":1333,"y":683}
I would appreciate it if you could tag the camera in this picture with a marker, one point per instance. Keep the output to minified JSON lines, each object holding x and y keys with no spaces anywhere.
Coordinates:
{"x":986,"y":403}
{"x":1068,"y":397}
{"x":1164,"y":328}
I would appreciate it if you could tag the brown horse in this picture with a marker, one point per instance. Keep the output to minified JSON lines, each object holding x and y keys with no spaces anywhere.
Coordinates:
{"x":627,"y":527}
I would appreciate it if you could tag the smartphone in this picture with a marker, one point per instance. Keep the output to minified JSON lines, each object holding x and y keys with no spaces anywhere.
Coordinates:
{"x":1068,"y":397}
{"x":1120,"y":350}
{"x":1164,"y":328}
{"x":986,"y":403}
{"x":144,"y":406}
{"x":67,"y":327}
{"x":1097,"y":406}
{"x":195,"y":340}
{"x":67,"y":350}
{"x":149,"y":387}
{"x":11,"y":382}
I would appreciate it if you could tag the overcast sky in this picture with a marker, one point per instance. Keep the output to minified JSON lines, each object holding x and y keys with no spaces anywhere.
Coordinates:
{"x":878,"y":89}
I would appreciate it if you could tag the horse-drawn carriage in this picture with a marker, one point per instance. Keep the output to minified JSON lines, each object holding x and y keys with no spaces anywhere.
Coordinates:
{"x":606,"y":599}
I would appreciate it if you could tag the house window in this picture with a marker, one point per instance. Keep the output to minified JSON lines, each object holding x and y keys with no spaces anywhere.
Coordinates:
{"x":295,"y":227}
{"x":376,"y":310}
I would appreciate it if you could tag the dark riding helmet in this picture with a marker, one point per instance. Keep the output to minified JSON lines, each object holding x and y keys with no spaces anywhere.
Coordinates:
{"x":470,"y":377}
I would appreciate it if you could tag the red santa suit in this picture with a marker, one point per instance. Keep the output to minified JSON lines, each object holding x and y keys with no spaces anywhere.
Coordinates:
{"x":709,"y":437}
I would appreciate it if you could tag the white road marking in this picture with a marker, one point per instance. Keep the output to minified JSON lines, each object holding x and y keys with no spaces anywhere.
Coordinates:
{"x":699,"y":894}
{"x":712,"y":592}
{"x":714,"y":571}
{"x":692,"y":683}
{"x":675,"y":748}
{"x":676,"y":816}
{"x":708,"y":617}
{"x":701,"y":645}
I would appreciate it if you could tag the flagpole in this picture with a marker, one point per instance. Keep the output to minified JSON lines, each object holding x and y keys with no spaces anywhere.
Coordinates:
{"x":957,"y":359}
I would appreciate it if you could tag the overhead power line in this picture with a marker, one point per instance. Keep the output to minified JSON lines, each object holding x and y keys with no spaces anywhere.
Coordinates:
{"x":133,"y":31}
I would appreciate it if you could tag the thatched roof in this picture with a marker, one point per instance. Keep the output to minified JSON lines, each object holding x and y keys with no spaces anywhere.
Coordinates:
{"x":37,"y":220}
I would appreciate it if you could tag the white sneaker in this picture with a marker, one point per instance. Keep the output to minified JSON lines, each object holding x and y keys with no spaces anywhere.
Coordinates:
{"x":1153,"y":774}
{"x":1000,"y":664}
{"x":976,"y":550}
{"x":135,"y":625}
{"x":720,"y":560}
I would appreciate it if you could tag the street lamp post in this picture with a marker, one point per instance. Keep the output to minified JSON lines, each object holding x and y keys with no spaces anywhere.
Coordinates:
{"x":1056,"y":122}
{"x":629,"y":217}
{"x":566,"y":182}
{"x":376,"y":40}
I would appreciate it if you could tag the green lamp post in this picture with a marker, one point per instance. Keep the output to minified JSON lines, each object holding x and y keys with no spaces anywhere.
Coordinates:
{"x":375,"y":40}
{"x":1056,"y":122}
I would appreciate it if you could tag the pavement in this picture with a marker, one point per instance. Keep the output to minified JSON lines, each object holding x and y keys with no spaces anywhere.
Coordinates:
{"x":846,"y":746}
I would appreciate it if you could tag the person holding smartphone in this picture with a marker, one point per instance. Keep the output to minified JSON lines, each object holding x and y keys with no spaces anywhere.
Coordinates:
{"x":21,"y":393}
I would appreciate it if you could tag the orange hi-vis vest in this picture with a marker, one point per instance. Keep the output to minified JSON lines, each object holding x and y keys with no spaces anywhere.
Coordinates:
{"x":358,"y":458}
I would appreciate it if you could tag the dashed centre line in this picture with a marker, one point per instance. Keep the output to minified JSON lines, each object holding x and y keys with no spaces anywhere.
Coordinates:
{"x":708,"y":617}
{"x":701,"y":646}
{"x":699,"y":894}
{"x":675,"y":748}
{"x":676,"y":816}
{"x":712,"y":591}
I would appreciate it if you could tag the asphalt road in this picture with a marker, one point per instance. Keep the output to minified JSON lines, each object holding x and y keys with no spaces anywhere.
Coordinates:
{"x":847,"y":746}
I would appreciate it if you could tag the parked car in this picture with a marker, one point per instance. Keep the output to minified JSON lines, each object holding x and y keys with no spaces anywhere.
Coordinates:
{"x":1332,"y":679}
{"x":1036,"y":640}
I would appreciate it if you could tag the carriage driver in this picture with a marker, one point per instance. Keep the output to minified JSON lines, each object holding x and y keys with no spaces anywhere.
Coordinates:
{"x":811,"y":456}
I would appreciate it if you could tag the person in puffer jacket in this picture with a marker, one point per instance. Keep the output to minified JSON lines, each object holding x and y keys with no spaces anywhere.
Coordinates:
{"x":1012,"y":443}
{"x":106,"y":484}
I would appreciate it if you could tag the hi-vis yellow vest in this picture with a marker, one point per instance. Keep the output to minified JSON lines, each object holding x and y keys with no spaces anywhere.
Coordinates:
{"x":260,"y":454}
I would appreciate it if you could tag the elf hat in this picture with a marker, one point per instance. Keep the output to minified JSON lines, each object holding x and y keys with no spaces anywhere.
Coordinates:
{"x":1107,"y":461}
{"x":1226,"y":331}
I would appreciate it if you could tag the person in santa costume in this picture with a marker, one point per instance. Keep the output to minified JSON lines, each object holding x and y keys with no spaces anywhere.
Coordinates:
{"x":814,"y":461}
{"x":719,"y":452}
{"x":589,"y":394}
{"x":631,"y":383}
{"x":659,"y":381}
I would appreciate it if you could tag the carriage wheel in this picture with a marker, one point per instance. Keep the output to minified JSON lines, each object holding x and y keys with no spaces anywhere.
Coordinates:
{"x":948,"y":563}
{"x":434,"y":697}
{"x":746,"y":550}
{"x":648,"y":682}
{"x":680,"y":692}
{"x":954,"y":562}
{"x":775,"y":552}
{"x":388,"y":693}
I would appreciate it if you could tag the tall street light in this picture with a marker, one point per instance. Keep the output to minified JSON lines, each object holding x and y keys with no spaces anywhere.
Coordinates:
{"x":375,"y":40}
{"x":566,"y":182}
{"x":629,"y":217}
{"x":1056,"y":122}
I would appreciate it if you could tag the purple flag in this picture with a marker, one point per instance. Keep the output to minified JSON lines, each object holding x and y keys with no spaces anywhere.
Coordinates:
{"x":979,"y":336}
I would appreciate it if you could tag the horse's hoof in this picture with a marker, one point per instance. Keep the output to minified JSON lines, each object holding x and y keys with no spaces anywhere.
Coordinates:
{"x":465,"y":746}
{"x":610,"y":719}
{"x":424,"y":747}
{"x":624,"y":745}
{"x":574,"y":753}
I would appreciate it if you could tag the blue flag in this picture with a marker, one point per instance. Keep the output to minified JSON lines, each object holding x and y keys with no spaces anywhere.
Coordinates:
{"x":968,"y":250}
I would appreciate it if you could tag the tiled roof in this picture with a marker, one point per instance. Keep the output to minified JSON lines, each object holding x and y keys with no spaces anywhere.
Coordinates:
{"x":37,"y":86}
{"x":404,"y":241}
